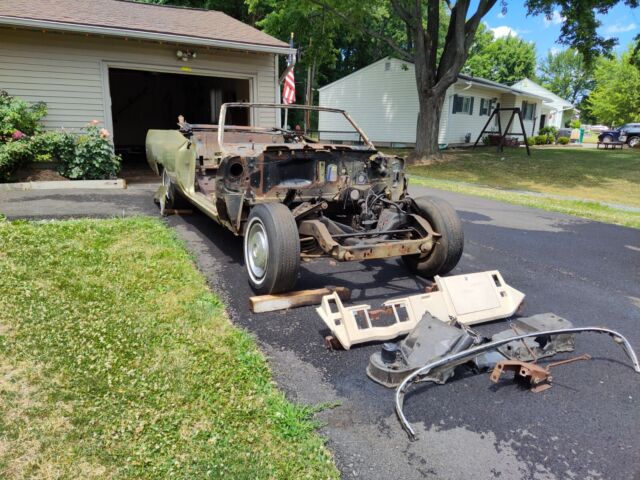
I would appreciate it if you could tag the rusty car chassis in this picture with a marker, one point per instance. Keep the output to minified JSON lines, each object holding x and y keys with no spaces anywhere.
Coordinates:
{"x":291,"y":195}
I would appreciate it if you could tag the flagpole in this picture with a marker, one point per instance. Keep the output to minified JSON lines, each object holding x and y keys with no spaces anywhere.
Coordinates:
{"x":290,"y":64}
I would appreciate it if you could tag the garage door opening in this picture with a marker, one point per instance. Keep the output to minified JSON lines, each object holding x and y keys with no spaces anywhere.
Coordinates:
{"x":141,"y":100}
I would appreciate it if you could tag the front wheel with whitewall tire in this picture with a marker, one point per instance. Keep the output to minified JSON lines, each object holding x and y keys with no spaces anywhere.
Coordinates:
{"x":271,"y":249}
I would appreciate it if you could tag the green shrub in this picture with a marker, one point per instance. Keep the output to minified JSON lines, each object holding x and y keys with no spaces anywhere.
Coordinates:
{"x":52,"y":146}
{"x":548,"y":131}
{"x":541,"y":139}
{"x":12,"y":154}
{"x":19,"y":117}
{"x":531,"y":141}
{"x":575,"y":123}
{"x":563,"y":140}
{"x":94,"y":156}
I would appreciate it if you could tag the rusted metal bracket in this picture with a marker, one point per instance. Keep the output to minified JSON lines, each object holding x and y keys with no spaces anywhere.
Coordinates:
{"x":535,"y":374}
{"x":461,"y":357}
{"x":538,"y":376}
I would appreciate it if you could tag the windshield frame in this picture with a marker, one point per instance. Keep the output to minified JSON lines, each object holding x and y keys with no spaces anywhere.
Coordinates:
{"x":279,"y":106}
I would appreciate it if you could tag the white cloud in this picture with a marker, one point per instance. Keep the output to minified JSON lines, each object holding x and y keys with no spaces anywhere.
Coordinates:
{"x":503,"y":31}
{"x":501,"y":15}
{"x":617,"y":28}
{"x":555,"y":19}
{"x":554,"y":50}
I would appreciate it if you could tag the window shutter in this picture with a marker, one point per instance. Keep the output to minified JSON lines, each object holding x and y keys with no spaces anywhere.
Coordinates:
{"x":456,"y":104}
{"x":471,"y":106}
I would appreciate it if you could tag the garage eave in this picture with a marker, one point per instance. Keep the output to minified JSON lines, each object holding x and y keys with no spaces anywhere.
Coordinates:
{"x":143,"y":35}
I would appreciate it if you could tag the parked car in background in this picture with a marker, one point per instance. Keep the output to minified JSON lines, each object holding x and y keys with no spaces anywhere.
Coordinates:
{"x":628,"y":133}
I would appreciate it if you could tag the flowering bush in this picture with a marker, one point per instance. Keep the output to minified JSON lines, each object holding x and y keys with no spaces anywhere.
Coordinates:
{"x":94,"y":156}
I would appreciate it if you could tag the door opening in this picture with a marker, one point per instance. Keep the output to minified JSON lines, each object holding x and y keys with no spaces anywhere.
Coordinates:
{"x":141,"y":100}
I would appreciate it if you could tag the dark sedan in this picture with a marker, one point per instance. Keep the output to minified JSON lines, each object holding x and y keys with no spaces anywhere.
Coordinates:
{"x":628,"y":133}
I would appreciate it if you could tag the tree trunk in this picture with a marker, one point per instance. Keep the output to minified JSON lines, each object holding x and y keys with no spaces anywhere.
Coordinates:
{"x":430,"y":102}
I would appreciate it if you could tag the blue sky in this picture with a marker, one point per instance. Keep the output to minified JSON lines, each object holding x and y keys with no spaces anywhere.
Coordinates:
{"x":621,"y":22}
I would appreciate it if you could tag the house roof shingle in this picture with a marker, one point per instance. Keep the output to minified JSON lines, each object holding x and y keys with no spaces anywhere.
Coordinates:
{"x":140,"y":19}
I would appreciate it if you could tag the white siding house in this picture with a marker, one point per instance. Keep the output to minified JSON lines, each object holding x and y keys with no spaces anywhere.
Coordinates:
{"x":123,"y":64}
{"x":557,"y":111}
{"x":383,"y":100}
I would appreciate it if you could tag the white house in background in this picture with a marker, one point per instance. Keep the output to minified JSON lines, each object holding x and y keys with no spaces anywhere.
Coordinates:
{"x":556,"y":111}
{"x":383,"y":100}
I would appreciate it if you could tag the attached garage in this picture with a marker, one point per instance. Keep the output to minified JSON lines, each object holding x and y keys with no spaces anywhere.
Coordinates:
{"x":133,"y":66}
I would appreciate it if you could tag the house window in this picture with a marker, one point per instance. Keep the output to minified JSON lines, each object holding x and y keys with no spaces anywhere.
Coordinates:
{"x":387,"y":66}
{"x":528,"y":110}
{"x":486,"y":106}
{"x":462,"y":104}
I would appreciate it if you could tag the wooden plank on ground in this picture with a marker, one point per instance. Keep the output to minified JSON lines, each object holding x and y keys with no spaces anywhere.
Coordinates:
{"x":301,"y":298}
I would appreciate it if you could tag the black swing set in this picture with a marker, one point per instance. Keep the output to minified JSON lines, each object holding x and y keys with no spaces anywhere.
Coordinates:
{"x":496,"y":112}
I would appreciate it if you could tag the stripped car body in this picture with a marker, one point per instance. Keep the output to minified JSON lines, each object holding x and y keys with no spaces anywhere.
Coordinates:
{"x":345,"y":201}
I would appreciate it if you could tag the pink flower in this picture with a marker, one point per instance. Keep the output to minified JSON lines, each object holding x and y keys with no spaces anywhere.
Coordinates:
{"x":95,"y":122}
{"x":17,"y":135}
{"x":104,"y":133}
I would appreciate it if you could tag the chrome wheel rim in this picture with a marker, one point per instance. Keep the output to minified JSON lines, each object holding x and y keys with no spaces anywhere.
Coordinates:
{"x":606,"y":139}
{"x":256,"y":250}
{"x":634,"y":142}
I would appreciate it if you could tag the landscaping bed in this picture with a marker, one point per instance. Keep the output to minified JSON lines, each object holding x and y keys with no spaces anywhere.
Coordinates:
{"x":116,"y":361}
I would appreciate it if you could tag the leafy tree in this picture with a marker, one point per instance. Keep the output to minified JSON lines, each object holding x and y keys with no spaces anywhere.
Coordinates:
{"x":567,"y":75}
{"x":615,"y":99}
{"x":437,"y":63}
{"x":505,"y":60}
{"x":413,"y":31}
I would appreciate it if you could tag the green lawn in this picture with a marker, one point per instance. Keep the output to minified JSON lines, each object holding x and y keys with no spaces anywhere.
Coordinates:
{"x":589,"y":176}
{"x":116,"y":361}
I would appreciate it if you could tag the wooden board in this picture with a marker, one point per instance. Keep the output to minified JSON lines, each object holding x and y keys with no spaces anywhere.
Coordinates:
{"x":301,"y":298}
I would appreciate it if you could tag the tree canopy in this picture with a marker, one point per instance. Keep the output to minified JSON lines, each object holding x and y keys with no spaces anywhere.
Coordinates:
{"x":615,"y":99}
{"x":505,"y":60}
{"x":567,"y":75}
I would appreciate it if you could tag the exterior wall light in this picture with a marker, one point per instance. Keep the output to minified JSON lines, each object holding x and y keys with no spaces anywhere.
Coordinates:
{"x":185,"y":55}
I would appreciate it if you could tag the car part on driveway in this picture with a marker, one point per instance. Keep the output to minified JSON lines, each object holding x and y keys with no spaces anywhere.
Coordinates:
{"x":469,"y":299}
{"x":538,"y":376}
{"x":466,"y":355}
{"x":293,"y":194}
{"x":301,"y":298}
{"x":429,"y":341}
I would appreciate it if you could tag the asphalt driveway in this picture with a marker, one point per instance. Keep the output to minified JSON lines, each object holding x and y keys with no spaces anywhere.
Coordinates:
{"x":586,"y":426}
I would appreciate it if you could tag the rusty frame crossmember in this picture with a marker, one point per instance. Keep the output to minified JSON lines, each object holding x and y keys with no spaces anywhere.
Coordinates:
{"x":367,"y":251}
{"x":466,"y":355}
{"x":537,"y":375}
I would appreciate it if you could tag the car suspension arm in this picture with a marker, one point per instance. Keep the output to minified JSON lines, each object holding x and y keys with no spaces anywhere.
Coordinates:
{"x":465,"y":355}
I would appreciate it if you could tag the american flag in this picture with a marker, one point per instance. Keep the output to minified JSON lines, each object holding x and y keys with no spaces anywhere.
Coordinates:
{"x":289,"y":86}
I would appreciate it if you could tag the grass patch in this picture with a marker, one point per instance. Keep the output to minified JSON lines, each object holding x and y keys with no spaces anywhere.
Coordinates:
{"x":588,"y":174}
{"x":117,"y":362}
{"x":590,"y":210}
